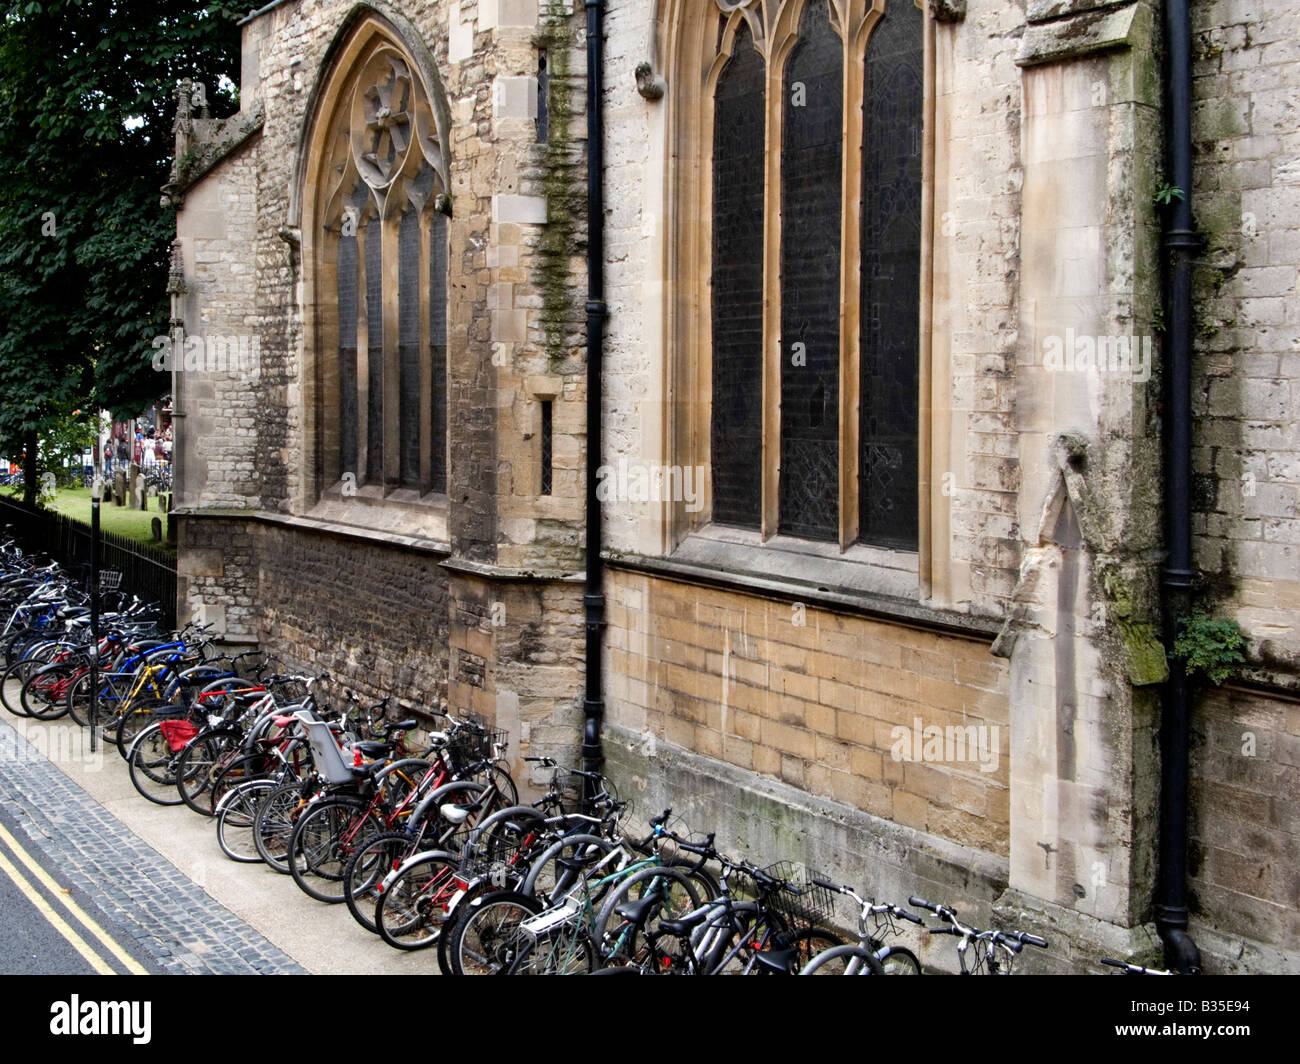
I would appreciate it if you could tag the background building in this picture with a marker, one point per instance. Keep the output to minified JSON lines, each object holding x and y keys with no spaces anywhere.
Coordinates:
{"x":883,"y":418}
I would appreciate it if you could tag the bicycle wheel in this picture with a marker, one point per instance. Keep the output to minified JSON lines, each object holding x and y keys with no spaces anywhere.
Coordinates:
{"x":487,"y":939}
{"x":627,"y":927}
{"x":365,"y":872}
{"x":276,"y":813}
{"x":547,"y":880}
{"x":43,"y":694}
{"x":846,"y":960}
{"x":236,"y":819}
{"x":568,"y":950}
{"x":460,"y":906}
{"x":897,"y":960}
{"x":141,"y":714}
{"x":235,"y":772}
{"x":413,"y":908}
{"x":196,"y":769}
{"x":323,"y":841}
{"x":18,"y":674}
{"x":78,"y":701}
{"x":151,"y":767}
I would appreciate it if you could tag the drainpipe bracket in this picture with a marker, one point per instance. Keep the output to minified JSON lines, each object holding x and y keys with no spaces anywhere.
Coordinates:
{"x":1185,"y":240}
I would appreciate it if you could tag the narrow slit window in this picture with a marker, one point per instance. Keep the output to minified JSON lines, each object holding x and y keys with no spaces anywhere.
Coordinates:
{"x":543,"y":97}
{"x":546,"y":446}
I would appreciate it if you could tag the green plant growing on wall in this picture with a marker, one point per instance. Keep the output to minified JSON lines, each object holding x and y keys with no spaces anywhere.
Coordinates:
{"x":1166,"y":193}
{"x":1209,"y":646}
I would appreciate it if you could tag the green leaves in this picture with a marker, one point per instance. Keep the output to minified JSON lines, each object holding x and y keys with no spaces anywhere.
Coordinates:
{"x":1213,"y":647}
{"x":86,"y":112}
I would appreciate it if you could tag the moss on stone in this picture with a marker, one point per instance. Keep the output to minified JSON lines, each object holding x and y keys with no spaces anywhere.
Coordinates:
{"x":557,"y":243}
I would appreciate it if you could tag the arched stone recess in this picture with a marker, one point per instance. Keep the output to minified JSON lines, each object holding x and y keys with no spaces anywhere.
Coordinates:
{"x":369,"y":201}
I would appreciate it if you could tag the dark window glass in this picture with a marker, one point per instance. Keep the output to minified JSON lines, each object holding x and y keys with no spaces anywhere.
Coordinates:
{"x":438,"y":350}
{"x":543,"y":98}
{"x":546,"y":447}
{"x":737,"y":427}
{"x":375,"y":351}
{"x":811,"y":195}
{"x":347,"y":298}
{"x":891,"y":279}
{"x":408,"y":347}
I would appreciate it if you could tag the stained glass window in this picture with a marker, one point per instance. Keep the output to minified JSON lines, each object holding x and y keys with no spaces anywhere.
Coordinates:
{"x":891,"y":279}
{"x":737,"y":429}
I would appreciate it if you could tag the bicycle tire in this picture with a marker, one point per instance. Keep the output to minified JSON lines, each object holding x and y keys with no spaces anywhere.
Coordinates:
{"x":276,"y":814}
{"x":460,"y":906}
{"x":322,"y":842}
{"x":242,"y":769}
{"x":194,"y":771}
{"x":411,"y":912}
{"x":365,"y":872}
{"x":898,"y":960}
{"x":661,"y":892}
{"x":38,"y":696}
{"x":845,"y":960}
{"x":485,"y":939}
{"x":18,"y":674}
{"x":150,"y":767}
{"x":568,"y":950}
{"x":237,"y":818}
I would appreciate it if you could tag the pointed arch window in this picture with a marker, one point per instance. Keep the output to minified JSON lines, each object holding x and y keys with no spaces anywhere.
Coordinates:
{"x":379,"y":241}
{"x":814,"y":109}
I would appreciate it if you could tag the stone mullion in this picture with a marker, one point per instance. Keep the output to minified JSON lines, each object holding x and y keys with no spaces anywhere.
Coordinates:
{"x":772,"y":339}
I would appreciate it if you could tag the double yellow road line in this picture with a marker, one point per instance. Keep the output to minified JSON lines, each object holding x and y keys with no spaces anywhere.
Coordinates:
{"x":9,"y":846}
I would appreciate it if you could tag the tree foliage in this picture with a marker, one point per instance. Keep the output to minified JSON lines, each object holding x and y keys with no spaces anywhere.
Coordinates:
{"x":86,"y":115}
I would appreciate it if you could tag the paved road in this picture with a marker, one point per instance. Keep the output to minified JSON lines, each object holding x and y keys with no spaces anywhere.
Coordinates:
{"x":52,"y":928}
{"x":153,"y":877}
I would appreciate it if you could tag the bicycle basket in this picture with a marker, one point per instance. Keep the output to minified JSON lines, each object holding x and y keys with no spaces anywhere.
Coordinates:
{"x":799,"y":897}
{"x":109,"y":579}
{"x":496,"y":857}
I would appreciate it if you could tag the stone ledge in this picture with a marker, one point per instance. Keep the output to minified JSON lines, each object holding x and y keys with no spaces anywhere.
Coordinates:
{"x":856,"y":603}
{"x":1086,"y":33}
{"x":308,"y":524}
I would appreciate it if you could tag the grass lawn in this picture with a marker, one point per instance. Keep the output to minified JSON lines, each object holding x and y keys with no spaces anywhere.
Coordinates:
{"x":120,"y":520}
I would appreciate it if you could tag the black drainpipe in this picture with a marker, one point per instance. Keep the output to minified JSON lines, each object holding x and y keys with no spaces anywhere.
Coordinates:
{"x":594,"y":597}
{"x":1178,"y":579}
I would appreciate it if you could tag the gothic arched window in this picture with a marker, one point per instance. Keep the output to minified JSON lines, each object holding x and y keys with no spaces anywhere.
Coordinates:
{"x":379,"y":241}
{"x":814,"y":111}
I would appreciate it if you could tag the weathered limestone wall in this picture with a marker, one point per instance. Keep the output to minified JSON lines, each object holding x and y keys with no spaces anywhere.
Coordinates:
{"x":837,"y":706}
{"x":1247,"y":406}
{"x":218,"y":408}
{"x":1245,"y":897}
{"x":515,"y":336}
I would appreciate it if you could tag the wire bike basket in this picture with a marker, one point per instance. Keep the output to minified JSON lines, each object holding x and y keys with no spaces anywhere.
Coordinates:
{"x":110,"y":579}
{"x":793,"y":894}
